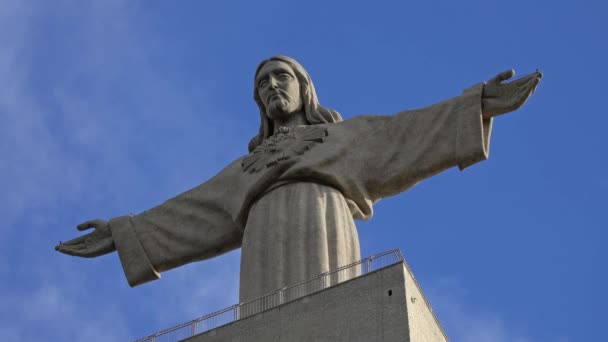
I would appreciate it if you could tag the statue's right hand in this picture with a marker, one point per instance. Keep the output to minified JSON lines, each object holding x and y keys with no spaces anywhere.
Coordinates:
{"x":96,"y":243}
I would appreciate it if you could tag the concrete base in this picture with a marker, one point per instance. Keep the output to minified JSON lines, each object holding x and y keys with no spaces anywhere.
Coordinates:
{"x":384,"y":305}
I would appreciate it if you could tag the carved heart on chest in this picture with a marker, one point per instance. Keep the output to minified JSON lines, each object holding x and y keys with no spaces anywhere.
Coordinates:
{"x":282,"y":145}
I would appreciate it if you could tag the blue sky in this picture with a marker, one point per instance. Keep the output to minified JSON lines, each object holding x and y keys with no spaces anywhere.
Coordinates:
{"x":109,"y":107}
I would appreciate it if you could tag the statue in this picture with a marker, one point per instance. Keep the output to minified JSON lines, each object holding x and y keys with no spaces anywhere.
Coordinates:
{"x":290,"y":203}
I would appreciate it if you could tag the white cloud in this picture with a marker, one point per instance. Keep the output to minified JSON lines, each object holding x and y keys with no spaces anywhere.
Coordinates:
{"x":46,"y":302}
{"x":68,"y":134}
{"x":47,"y":311}
{"x":64,"y":140}
{"x":25,"y":144}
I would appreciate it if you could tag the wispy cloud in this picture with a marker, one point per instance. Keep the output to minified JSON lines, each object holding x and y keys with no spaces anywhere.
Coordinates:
{"x":71,"y":119}
{"x":465,"y":322}
{"x":199,"y":290}
{"x":78,"y":87}
{"x":48,"y":311}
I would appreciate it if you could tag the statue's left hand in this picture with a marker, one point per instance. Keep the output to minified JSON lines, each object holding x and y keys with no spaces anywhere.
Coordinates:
{"x":500,"y":98}
{"x":94,"y":244}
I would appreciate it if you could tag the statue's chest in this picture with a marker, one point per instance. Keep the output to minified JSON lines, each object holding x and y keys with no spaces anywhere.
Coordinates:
{"x":285,"y":144}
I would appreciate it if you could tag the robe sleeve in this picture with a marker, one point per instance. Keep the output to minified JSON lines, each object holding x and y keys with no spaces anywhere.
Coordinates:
{"x":413,"y":145}
{"x":193,"y":226}
{"x":372,"y":157}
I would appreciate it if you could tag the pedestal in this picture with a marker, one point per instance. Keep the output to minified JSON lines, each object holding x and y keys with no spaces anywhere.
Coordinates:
{"x":383,"y":305}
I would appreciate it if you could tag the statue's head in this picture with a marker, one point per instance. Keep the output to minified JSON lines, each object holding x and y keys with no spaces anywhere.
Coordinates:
{"x":307,"y":102}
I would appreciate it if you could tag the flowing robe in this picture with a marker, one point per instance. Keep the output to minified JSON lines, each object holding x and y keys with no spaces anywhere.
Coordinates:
{"x":292,"y":214}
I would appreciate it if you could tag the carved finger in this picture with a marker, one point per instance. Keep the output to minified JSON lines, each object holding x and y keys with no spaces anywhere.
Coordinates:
{"x":532,"y":84}
{"x":74,"y":242}
{"x":522,"y":95}
{"x":529,"y":87}
{"x":71,"y":250}
{"x":536,"y":82}
{"x":524,"y":86}
{"x":80,"y":248}
{"x":522,"y":81}
{"x":83,"y":253}
{"x":532,"y":78}
{"x":503,"y":76}
{"x":77,"y":243}
{"x":90,"y":224}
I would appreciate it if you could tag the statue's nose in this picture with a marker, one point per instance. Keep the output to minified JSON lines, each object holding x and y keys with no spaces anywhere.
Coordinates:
{"x":273,"y":83}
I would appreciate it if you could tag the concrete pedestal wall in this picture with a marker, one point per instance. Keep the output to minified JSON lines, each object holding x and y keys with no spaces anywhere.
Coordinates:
{"x":385,"y":305}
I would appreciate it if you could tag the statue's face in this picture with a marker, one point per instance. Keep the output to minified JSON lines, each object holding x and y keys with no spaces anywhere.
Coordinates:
{"x":279,"y":90}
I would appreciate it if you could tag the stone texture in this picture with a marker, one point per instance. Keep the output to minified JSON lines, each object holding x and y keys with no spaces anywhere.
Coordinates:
{"x":360,"y":309}
{"x":336,"y":170}
{"x":362,"y":160}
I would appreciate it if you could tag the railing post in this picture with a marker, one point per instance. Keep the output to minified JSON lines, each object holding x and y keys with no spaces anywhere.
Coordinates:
{"x":369,"y":264}
{"x":152,"y":338}
{"x":282,"y":296}
{"x":399,"y":255}
{"x":193,"y":328}
{"x":237,"y":312}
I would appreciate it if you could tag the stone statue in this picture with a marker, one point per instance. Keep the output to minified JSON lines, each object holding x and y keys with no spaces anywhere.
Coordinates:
{"x":291,"y":201}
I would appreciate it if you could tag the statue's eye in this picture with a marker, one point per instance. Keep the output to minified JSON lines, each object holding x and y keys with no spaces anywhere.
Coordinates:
{"x":263,"y":83}
{"x":284,"y":76}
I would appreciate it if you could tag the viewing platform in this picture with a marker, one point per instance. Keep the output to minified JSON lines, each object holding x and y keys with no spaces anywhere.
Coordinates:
{"x":380,"y":301}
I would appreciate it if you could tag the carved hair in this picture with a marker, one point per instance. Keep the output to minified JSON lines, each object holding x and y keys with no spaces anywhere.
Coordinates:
{"x":314,"y":112}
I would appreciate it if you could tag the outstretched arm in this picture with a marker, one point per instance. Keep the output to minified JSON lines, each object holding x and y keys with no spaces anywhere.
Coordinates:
{"x":373,"y":157}
{"x":196,"y":225}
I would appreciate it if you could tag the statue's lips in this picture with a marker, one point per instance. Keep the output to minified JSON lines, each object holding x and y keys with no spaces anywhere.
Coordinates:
{"x":275,"y":95}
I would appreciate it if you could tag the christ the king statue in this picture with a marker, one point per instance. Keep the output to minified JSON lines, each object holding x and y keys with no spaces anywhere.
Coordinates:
{"x":290,"y":203}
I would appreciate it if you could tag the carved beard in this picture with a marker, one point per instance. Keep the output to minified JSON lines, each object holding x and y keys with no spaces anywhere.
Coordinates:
{"x":281,"y":106}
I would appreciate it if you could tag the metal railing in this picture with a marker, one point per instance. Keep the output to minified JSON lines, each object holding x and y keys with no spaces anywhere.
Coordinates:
{"x":274,"y":299}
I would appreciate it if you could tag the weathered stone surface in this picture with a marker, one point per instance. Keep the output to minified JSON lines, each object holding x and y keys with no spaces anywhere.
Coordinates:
{"x":385,"y":305}
{"x":290,"y":203}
